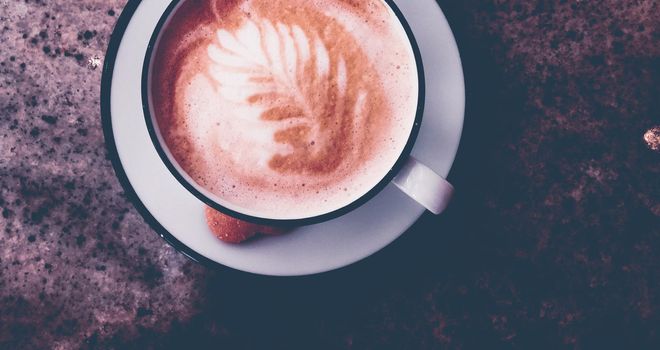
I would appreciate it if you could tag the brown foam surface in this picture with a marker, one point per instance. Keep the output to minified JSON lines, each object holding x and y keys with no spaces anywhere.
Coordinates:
{"x":284,"y":106}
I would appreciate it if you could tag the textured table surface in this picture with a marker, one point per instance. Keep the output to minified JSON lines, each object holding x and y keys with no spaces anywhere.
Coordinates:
{"x":553,"y":240}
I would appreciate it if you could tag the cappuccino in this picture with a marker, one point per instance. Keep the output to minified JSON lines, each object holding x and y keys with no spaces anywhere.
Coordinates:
{"x":284,"y":108}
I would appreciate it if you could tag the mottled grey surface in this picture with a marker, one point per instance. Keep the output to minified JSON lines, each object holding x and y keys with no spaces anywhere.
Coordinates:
{"x":77,"y":260}
{"x":552,"y":241}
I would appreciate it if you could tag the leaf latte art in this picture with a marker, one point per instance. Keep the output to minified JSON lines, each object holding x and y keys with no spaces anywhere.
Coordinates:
{"x":298,"y":85}
{"x":284,"y":106}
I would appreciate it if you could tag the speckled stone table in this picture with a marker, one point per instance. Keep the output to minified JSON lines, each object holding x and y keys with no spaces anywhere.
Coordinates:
{"x":553,"y":240}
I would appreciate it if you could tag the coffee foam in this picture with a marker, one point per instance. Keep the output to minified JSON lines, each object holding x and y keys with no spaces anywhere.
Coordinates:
{"x":284,"y":109}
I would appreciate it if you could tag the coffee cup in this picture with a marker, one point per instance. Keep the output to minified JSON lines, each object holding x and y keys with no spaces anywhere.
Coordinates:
{"x":288,"y":112}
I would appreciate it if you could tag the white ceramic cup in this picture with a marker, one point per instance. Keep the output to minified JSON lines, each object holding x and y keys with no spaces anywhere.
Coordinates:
{"x":411,"y":176}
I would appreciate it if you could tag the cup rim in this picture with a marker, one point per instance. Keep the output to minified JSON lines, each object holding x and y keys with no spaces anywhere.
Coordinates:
{"x":172,"y":168}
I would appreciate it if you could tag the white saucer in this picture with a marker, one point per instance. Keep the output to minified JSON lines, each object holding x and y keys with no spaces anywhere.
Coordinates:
{"x":178,"y":216}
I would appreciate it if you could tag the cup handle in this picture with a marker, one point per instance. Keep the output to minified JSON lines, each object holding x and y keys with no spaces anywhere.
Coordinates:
{"x":424,"y":186}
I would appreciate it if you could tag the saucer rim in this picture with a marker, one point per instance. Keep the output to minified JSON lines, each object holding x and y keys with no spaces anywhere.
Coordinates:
{"x":117,"y":36}
{"x":113,"y":155}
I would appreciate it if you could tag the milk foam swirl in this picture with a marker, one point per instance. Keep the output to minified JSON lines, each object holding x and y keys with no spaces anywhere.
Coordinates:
{"x":295,"y":85}
{"x":285,"y":106}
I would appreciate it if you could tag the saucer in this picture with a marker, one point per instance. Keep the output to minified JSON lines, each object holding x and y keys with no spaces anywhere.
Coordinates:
{"x":178,"y":216}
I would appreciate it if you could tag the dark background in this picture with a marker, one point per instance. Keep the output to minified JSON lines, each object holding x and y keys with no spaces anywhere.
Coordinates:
{"x":553,"y":240}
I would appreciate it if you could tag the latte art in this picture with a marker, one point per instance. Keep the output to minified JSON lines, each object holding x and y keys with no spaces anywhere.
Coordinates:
{"x":297,"y":87}
{"x":284,"y":108}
